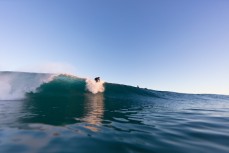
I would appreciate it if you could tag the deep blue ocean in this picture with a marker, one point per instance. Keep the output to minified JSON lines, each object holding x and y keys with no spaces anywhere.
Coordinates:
{"x":45,"y":113}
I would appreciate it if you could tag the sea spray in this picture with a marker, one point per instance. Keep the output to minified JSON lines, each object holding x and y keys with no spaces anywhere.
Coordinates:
{"x":14,"y":86}
{"x":94,"y":87}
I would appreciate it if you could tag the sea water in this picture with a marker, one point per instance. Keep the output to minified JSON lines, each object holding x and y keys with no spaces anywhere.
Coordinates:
{"x":43,"y":115}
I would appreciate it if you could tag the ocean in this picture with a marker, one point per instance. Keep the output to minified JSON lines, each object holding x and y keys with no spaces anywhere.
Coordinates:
{"x":50,"y":113}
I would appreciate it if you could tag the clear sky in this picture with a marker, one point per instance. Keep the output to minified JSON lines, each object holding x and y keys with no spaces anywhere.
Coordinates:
{"x":173,"y":45}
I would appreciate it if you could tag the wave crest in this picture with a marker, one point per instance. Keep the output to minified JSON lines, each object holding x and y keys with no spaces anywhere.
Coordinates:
{"x":14,"y":85}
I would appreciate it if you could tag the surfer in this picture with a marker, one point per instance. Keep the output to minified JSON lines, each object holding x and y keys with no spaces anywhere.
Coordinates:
{"x":97,"y":79}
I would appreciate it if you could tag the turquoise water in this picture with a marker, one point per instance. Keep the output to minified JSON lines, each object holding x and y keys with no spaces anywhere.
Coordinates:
{"x":61,"y":116}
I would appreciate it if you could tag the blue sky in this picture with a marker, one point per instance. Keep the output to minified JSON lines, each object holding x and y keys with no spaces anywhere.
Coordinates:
{"x":175,"y":45}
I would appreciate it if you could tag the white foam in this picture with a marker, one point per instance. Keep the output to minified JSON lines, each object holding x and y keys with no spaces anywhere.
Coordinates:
{"x":14,"y":86}
{"x":94,"y":87}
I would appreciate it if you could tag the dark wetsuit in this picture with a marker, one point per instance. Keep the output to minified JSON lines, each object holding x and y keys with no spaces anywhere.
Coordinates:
{"x":97,"y":79}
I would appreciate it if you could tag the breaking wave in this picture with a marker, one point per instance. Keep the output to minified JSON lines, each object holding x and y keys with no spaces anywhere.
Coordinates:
{"x":16,"y":85}
{"x":21,"y":85}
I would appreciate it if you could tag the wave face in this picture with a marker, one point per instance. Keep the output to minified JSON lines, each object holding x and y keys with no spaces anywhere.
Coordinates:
{"x":64,"y":113}
{"x":21,"y":85}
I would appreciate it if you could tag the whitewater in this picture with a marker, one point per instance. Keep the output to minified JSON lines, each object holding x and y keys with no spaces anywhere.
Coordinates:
{"x":43,"y":113}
